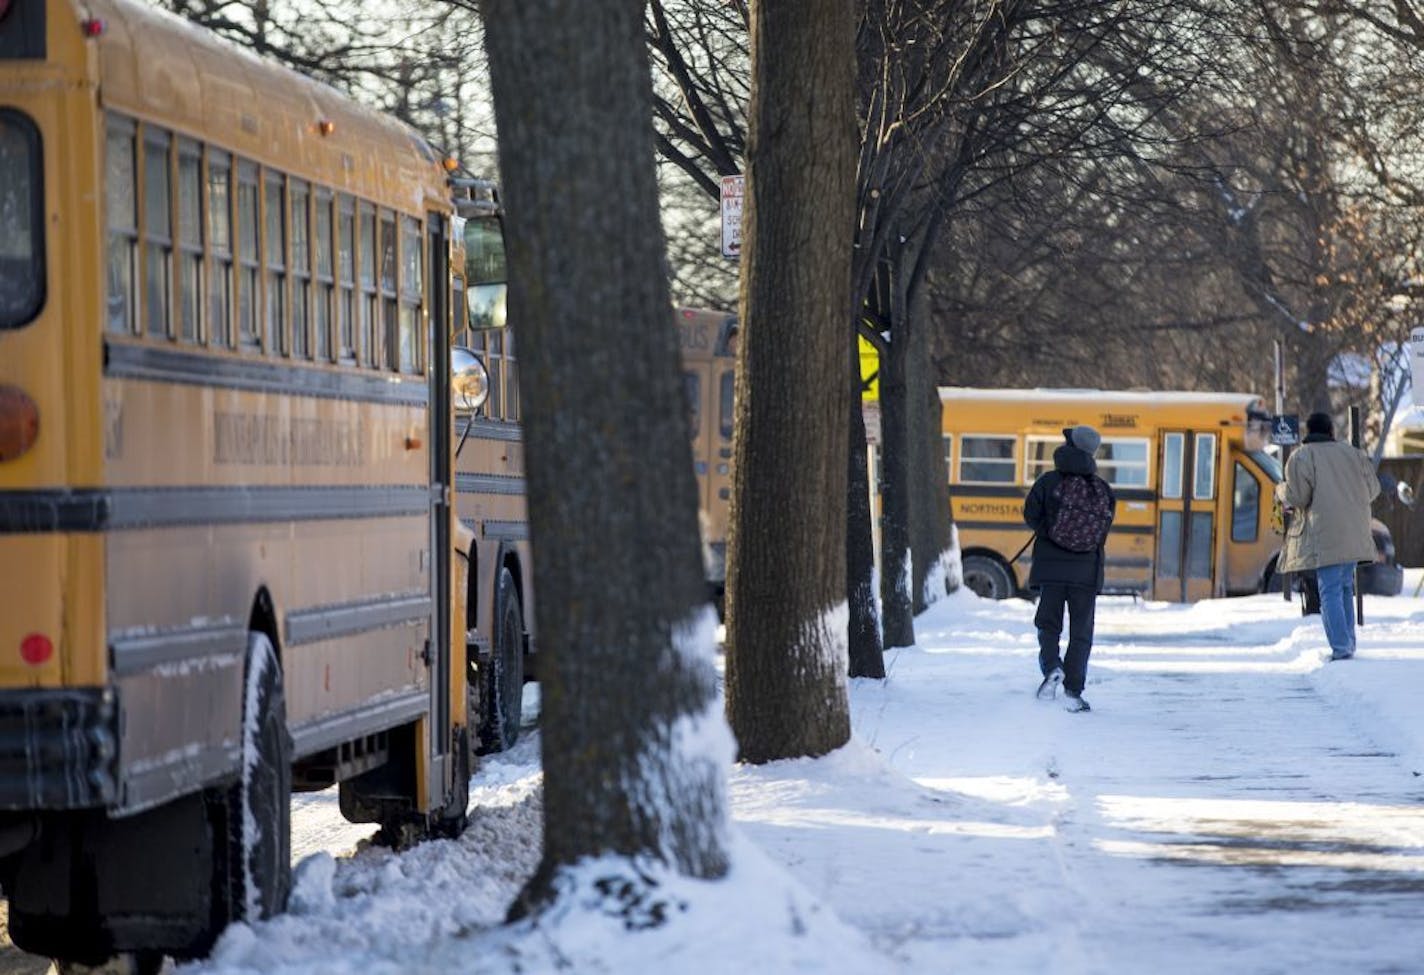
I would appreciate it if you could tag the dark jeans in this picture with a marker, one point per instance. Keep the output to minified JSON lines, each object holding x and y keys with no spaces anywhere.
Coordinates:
{"x":1081,"y":601}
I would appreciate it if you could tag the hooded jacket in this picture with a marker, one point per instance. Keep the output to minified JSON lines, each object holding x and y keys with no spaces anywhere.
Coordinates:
{"x":1330,"y":485}
{"x":1052,"y":563}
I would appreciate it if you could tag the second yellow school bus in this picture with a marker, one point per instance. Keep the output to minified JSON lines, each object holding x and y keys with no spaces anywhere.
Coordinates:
{"x":1193,"y":481}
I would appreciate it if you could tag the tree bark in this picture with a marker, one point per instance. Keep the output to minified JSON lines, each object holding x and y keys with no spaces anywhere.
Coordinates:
{"x":896,"y":570}
{"x":927,"y":475}
{"x":786,"y":584}
{"x":867,"y":654}
{"x":626,"y":635}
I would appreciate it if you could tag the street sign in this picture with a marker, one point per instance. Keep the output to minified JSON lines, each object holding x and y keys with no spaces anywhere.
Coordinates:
{"x":871,"y":412}
{"x":733,"y":189}
{"x":1285,"y":429}
{"x":1416,"y":363}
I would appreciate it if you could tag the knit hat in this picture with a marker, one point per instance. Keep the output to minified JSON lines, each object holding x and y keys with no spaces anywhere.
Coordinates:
{"x":1320,"y":423}
{"x":1083,"y":437}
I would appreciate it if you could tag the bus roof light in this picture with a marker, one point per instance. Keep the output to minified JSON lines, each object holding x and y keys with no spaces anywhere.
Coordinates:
{"x":36,"y":649}
{"x":92,"y":27}
{"x":326,"y":126}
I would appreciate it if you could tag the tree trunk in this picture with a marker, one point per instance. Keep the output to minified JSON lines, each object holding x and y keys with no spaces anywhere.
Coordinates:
{"x":896,"y":571}
{"x":787,"y":616}
{"x":626,"y":635}
{"x":928,"y":477}
{"x":867,"y":655}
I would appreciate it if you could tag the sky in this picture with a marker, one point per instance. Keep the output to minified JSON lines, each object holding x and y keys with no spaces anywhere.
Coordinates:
{"x":1234,"y":802}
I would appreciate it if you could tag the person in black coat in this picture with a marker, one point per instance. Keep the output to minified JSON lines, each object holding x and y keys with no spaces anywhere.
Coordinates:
{"x":1064,"y":578}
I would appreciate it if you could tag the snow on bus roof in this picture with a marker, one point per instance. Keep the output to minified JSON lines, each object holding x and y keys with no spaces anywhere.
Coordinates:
{"x":1095,"y":395}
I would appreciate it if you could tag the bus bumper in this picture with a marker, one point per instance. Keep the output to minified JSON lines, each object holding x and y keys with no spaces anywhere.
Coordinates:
{"x":58,"y":749}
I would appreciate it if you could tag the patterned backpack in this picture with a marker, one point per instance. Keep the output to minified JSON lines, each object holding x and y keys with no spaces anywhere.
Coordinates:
{"x":1085,"y":513}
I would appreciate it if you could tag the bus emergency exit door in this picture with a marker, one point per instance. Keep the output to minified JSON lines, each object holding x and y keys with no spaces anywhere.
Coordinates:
{"x":1184,"y":567}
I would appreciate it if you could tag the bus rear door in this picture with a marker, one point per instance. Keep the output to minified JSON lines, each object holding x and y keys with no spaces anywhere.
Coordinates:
{"x":1183,"y":566}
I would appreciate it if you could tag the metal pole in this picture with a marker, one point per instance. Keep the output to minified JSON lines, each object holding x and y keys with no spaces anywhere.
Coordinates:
{"x":1356,"y":435}
{"x":1280,"y":376}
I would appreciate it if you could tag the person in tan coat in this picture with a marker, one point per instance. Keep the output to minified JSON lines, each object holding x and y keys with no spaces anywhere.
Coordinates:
{"x":1328,"y":489}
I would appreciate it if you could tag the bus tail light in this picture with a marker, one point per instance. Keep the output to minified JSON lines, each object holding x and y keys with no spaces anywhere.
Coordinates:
{"x":36,"y":649}
{"x":19,"y":420}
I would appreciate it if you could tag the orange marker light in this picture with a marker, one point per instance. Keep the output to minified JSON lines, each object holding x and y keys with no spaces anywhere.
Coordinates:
{"x":326,"y":126}
{"x":450,"y":163}
{"x":19,"y":421}
{"x":36,"y":649}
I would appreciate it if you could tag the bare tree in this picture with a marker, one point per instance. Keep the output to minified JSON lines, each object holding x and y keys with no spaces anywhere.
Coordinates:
{"x":625,"y":630}
{"x":786,"y":585}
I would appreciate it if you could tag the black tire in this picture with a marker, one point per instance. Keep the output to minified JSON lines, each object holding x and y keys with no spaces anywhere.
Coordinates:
{"x":502,"y":687}
{"x":988,"y":577}
{"x":127,"y":963}
{"x":259,"y":833}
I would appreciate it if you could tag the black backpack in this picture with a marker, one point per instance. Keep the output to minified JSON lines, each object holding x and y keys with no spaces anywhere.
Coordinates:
{"x":1085,"y":513}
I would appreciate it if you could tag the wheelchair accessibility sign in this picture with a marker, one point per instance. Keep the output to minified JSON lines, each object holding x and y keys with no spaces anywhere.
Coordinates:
{"x":1285,"y":429}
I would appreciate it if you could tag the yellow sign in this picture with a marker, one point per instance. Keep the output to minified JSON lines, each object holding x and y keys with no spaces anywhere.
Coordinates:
{"x":869,"y":371}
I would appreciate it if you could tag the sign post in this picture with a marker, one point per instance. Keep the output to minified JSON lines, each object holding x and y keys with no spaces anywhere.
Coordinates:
{"x":733,"y":190}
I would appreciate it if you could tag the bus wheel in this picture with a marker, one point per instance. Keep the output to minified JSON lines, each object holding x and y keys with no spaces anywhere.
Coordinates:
{"x":259,"y":822}
{"x":503,"y":685}
{"x":987,"y":577}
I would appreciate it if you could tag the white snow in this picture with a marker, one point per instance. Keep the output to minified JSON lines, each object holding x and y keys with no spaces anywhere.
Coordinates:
{"x":1235,"y":802}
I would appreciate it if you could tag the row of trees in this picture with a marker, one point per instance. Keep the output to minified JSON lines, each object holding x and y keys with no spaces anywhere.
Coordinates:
{"x":1113,"y":192}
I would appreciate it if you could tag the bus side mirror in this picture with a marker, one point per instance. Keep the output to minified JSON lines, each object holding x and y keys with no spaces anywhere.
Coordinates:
{"x":469,"y":381}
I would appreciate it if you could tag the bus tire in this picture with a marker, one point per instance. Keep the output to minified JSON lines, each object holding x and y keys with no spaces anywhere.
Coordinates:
{"x":986,"y":576}
{"x":503,"y":684}
{"x":259,"y":821}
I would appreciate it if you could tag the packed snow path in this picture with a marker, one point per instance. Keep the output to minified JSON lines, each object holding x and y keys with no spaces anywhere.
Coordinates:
{"x":1229,"y":805}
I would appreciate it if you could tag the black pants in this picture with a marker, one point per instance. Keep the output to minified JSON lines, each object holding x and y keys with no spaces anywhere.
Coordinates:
{"x":1081,"y":602}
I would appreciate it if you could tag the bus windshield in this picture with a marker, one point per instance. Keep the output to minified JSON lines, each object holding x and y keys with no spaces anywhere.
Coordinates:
{"x":485,"y":272}
{"x":1268,"y":463}
{"x":21,"y":227}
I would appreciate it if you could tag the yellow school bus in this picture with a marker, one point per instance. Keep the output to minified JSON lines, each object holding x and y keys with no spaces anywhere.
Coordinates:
{"x":1193,"y":482}
{"x":709,"y":357}
{"x":489,"y":477}
{"x":226,"y":528}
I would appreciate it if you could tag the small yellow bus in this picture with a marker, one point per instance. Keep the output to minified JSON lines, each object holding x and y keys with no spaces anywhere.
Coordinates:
{"x":1192,"y":476}
{"x":227,"y":528}
{"x":709,"y":357}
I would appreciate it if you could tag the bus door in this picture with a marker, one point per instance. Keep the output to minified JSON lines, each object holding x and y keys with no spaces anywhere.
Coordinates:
{"x":1186,"y":514}
{"x":441,"y":494}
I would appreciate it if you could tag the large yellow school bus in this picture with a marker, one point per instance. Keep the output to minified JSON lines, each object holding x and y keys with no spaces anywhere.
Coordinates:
{"x":226,"y":528}
{"x":489,"y":479}
{"x":1193,"y":481}
{"x":709,"y":357}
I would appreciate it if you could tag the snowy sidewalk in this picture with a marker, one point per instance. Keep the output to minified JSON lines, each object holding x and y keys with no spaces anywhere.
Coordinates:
{"x":1227,"y":806}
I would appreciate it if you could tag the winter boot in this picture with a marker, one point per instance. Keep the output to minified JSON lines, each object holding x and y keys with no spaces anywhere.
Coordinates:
{"x":1049,"y":688}
{"x":1074,"y":702}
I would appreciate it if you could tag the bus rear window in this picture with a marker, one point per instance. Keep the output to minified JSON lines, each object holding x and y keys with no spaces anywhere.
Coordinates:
{"x":22,"y":268}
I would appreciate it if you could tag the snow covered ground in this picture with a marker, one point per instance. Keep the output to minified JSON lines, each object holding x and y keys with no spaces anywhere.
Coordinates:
{"x":1234,"y":802}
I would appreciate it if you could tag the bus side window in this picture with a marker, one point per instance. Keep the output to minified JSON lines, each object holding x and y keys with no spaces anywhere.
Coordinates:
{"x":1245,"y":505}
{"x":248,"y":222}
{"x":301,"y":269}
{"x":190,"y":240}
{"x":986,"y":460}
{"x":1173,"y":444}
{"x":274,"y":201}
{"x":121,"y":197}
{"x":494,"y":364}
{"x":346,"y":276}
{"x":157,"y":232}
{"x":728,"y":402}
{"x":220,"y":239}
{"x":325,"y":275}
{"x":511,"y":377}
{"x":411,"y":286}
{"x":370,"y":328}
